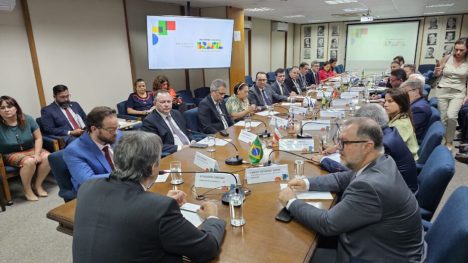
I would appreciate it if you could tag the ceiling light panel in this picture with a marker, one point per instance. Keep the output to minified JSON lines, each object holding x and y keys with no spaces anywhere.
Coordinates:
{"x":258,"y":9}
{"x":336,"y":2}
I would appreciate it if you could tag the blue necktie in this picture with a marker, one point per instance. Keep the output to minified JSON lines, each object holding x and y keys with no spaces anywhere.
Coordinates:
{"x":265,"y":97}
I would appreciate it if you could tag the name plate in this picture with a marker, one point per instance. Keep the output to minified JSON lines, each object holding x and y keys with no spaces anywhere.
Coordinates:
{"x":341,"y":102}
{"x":214,"y":180}
{"x":357,"y":89}
{"x":205,"y":162}
{"x":316,"y":125}
{"x":349,"y":95}
{"x":332,"y":114}
{"x":296,"y":145}
{"x":247,"y":137}
{"x":278,"y":122}
{"x":327,"y":94}
{"x":267,"y":174}
{"x":298,"y":110}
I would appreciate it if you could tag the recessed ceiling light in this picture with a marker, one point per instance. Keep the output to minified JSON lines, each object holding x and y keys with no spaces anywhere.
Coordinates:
{"x":434,"y":13}
{"x":440,"y":5}
{"x":335,"y":2}
{"x":294,"y":16}
{"x":259,"y":9}
{"x":357,"y":9}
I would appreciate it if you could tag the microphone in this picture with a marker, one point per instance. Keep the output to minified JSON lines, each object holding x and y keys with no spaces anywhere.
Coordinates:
{"x":238,"y":189}
{"x":264,"y":134}
{"x":288,"y":152}
{"x":231,"y":160}
{"x":300,"y":135}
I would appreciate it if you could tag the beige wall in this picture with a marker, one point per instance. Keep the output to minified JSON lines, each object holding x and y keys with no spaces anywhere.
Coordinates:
{"x":16,"y":70}
{"x":261,"y":45}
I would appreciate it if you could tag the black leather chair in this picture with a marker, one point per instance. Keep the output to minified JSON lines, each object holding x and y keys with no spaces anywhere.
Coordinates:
{"x":62,"y":176}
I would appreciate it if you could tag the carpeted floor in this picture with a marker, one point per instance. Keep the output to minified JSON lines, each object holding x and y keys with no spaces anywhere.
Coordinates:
{"x":26,"y":235}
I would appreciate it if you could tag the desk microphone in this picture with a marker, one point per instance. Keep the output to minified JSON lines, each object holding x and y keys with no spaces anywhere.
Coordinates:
{"x":226,"y":196}
{"x":231,"y":160}
{"x":264,"y":134}
{"x":268,"y":163}
{"x":301,"y":131}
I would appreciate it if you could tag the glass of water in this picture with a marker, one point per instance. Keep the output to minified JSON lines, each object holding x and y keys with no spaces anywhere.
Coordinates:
{"x":236,"y":209}
{"x":211,"y":141}
{"x":299,"y":169}
{"x":176,"y":172}
{"x":248,"y":123}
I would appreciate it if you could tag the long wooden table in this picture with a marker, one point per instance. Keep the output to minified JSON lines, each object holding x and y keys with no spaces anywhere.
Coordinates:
{"x":262,"y":238}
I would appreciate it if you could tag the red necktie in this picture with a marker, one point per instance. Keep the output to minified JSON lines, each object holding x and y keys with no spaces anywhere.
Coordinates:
{"x":72,"y":120}
{"x":108,"y":157}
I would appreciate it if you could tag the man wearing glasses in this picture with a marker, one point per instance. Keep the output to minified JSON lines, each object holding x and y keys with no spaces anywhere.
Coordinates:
{"x":212,"y":113}
{"x":91,"y":155}
{"x":377,"y":217}
{"x":420,"y":108}
{"x":63,"y":118}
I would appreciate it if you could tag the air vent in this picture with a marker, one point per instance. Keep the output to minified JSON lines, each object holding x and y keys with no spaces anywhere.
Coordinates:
{"x":7,"y":5}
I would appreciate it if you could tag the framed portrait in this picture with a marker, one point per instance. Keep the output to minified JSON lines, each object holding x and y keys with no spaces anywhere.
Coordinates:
{"x":306,"y":53}
{"x":334,"y":54}
{"x":432,"y":39}
{"x":335,"y":31}
{"x":320,"y":42}
{"x":320,"y":31}
{"x":429,"y":52}
{"x":450,"y":37}
{"x":433,"y":23}
{"x":307,"y":42}
{"x":320,"y":53}
{"x":307,"y":31}
{"x":334,"y":43}
{"x":451,"y":23}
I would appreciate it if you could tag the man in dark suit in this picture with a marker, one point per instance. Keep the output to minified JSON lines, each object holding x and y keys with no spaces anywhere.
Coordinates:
{"x":292,"y":82}
{"x":303,"y":69}
{"x":261,"y":94}
{"x":63,"y":117}
{"x":169,"y":124}
{"x":118,"y":220}
{"x":91,"y":155}
{"x":420,"y":107}
{"x":212,"y":113}
{"x":279,"y":87}
{"x":394,"y":146}
{"x":312,"y":77}
{"x":378,"y":216}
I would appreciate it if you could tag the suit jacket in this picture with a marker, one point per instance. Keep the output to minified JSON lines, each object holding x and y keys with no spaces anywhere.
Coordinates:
{"x":85,"y":161}
{"x":117,"y":221}
{"x":290,"y":84}
{"x":54,"y":122}
{"x":311,"y":79}
{"x":377,"y":218}
{"x":396,"y":148}
{"x":421,"y":111}
{"x":154,"y":123}
{"x":209,"y":118}
{"x":276,"y":89}
{"x":255,"y":96}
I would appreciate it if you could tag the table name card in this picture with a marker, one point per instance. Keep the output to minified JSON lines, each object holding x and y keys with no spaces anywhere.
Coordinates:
{"x":215,"y":180}
{"x":332,"y":114}
{"x":278,"y":122}
{"x":341,"y":102}
{"x":266,"y":174}
{"x":327,"y":94}
{"x":296,"y":145}
{"x":205,"y":162}
{"x":252,"y":123}
{"x":315,"y":125}
{"x":349,"y":95}
{"x":356,"y":89}
{"x":267,"y":113}
{"x":247,"y":137}
{"x":298,"y":110}
{"x":290,"y":104}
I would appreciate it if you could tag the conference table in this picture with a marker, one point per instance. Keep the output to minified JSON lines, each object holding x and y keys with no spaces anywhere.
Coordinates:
{"x":262,"y":238}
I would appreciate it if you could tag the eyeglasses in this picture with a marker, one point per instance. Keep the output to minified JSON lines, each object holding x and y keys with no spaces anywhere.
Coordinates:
{"x":110,"y":129}
{"x":262,"y":80}
{"x":342,"y":143}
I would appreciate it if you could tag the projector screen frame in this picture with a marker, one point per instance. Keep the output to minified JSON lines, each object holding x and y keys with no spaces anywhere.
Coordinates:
{"x":195,"y":17}
{"x":390,"y":21}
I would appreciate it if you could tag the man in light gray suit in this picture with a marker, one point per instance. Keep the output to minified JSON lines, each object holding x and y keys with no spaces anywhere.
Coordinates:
{"x":377,"y":218}
{"x":261,"y":94}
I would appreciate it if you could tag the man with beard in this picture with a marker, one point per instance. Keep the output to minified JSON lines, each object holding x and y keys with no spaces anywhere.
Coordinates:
{"x":91,"y":155}
{"x":377,"y":218}
{"x":63,"y":117}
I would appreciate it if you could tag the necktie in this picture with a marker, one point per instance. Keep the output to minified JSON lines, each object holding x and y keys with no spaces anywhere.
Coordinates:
{"x":178,"y":132}
{"x":108,"y":157}
{"x":265,"y":98}
{"x":221,"y":116}
{"x":316,"y":78}
{"x":71,"y":119}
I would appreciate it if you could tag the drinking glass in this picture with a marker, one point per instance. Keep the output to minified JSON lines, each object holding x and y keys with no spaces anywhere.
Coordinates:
{"x":176,"y":172}
{"x":236,"y":209}
{"x":211,"y":140}
{"x":248,"y":123}
{"x":299,"y":169}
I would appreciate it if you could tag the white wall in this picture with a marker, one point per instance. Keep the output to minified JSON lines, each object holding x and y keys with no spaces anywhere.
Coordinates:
{"x":83,"y":45}
{"x":277,"y":50}
{"x":261,"y":45}
{"x":290,"y":46}
{"x":16,"y":69}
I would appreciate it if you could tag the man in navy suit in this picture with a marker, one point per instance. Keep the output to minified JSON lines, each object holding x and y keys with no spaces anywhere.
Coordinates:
{"x":63,"y":117}
{"x":279,"y":86}
{"x":261,"y":94}
{"x":292,"y":82}
{"x":169,"y":124}
{"x":312,"y":77}
{"x":91,"y":155}
{"x":420,"y":108}
{"x":212,"y":113}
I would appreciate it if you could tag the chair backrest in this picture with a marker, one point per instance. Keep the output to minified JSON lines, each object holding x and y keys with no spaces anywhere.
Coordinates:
{"x":423,"y":68}
{"x":434,"y":102}
{"x":39,"y":123}
{"x":201,"y":92}
{"x":186,"y":96}
{"x":271,"y":77}
{"x":339,"y":69}
{"x":427,"y":88}
{"x":448,"y":236}
{"x":432,"y":139}
{"x":249,"y":80}
{"x":191,"y":119}
{"x":62,"y":175}
{"x":435,"y":116}
{"x":122,"y":107}
{"x":433,"y":179}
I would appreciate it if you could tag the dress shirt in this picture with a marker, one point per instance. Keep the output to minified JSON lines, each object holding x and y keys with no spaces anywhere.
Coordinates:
{"x":101,"y":148}
{"x":177,"y":140}
{"x":77,"y":117}
{"x":221,"y":114}
{"x":281,"y":87}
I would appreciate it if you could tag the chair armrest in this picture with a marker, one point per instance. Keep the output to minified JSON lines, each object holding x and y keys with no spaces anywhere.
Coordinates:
{"x":198,"y":136}
{"x":51,"y":144}
{"x":128,"y":117}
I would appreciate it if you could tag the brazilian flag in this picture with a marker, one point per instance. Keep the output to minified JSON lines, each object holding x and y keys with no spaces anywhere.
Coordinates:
{"x":256,"y":151}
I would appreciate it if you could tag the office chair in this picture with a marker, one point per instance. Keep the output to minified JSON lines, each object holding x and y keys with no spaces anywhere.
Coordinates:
{"x":62,"y":176}
{"x":431,"y":140}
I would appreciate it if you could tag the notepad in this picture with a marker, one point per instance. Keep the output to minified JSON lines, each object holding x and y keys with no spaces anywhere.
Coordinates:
{"x":266,"y":113}
{"x":242,"y":123}
{"x":189,"y":212}
{"x":315,"y":195}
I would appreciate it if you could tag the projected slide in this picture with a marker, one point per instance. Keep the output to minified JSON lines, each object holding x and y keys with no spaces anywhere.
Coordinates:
{"x":187,"y":42}
{"x":373,"y":46}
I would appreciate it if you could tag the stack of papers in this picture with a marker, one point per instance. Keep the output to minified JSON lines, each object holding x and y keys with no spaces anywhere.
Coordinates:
{"x":315,"y":195}
{"x":242,"y":123}
{"x":219,"y":142}
{"x":189,"y":211}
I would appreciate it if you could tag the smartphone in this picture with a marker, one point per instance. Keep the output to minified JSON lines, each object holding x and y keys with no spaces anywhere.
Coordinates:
{"x":437,"y":63}
{"x":284,"y":216}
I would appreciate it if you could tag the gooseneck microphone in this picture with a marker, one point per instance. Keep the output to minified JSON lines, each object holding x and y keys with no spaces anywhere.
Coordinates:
{"x":236,"y":160}
{"x":264,"y":134}
{"x":288,"y":152}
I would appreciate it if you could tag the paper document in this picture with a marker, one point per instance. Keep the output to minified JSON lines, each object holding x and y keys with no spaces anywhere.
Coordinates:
{"x":266,"y":113}
{"x":189,"y":211}
{"x":242,"y":123}
{"x":310,"y":194}
{"x":162,"y":178}
{"x":219,"y":142}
